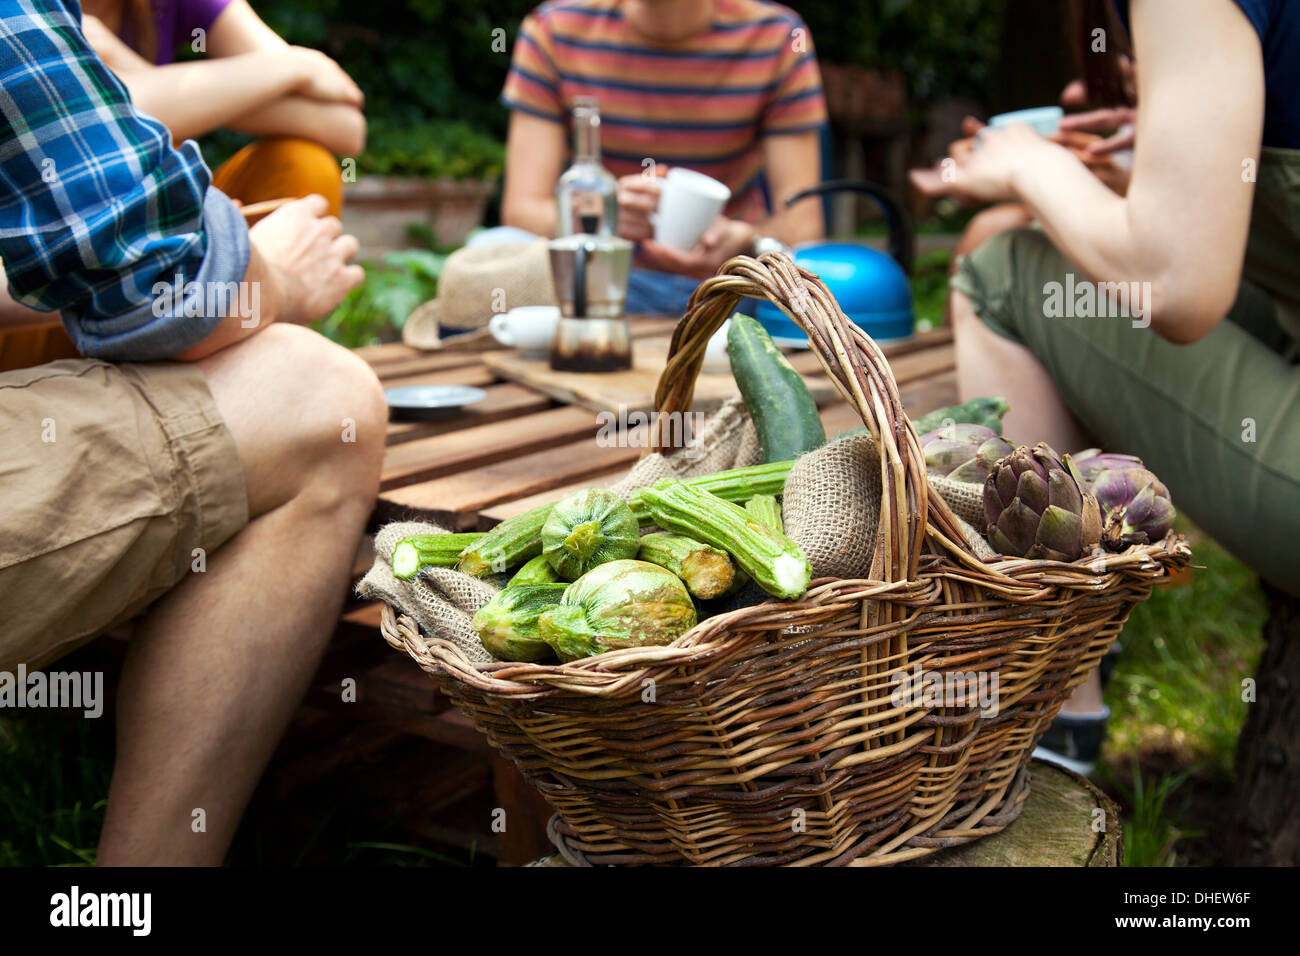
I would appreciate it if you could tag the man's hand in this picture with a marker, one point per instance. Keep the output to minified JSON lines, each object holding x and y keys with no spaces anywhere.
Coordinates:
{"x":722,"y":240}
{"x":308,"y":254}
{"x":323,"y":79}
{"x":638,"y":198}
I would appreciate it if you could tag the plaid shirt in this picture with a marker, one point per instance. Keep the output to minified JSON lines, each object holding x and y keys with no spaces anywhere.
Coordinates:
{"x":96,"y":207}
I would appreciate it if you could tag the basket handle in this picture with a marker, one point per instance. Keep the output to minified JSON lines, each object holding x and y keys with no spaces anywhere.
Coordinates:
{"x":852,"y":361}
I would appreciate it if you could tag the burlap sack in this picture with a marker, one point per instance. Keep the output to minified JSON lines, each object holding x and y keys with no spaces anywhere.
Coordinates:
{"x":727,"y":440}
{"x":442,"y":601}
{"x":967,"y":503}
{"x":832,"y":506}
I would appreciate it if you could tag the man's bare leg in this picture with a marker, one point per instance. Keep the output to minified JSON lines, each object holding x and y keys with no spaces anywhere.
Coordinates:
{"x":218,"y":666}
{"x":988,"y":364}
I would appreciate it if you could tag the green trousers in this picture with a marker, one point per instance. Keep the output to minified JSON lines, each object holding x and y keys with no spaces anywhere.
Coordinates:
{"x":1218,"y":420}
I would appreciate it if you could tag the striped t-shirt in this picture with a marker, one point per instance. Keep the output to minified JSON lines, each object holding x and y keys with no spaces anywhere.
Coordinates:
{"x":705,"y":103}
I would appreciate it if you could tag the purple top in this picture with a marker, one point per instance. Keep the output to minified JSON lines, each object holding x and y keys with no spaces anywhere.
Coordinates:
{"x":175,"y":21}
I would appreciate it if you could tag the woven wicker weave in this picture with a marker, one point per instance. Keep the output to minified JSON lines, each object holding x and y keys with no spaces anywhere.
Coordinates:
{"x":773,"y":734}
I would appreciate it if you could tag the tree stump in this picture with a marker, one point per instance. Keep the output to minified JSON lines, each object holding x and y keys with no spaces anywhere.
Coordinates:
{"x":1059,"y":826}
{"x":1264,"y":826}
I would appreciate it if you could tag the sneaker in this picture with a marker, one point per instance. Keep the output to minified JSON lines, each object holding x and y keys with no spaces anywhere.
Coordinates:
{"x":1073,"y":741}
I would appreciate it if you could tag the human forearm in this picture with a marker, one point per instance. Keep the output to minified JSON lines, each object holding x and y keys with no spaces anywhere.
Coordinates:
{"x":534,"y":213}
{"x":338,"y":127}
{"x":194,"y":98}
{"x":261,"y":292}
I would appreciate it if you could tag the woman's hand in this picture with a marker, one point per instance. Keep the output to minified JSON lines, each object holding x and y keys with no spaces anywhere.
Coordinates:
{"x":323,"y":79}
{"x":638,"y":198}
{"x":722,"y":240}
{"x":984,"y":169}
{"x":1120,"y":120}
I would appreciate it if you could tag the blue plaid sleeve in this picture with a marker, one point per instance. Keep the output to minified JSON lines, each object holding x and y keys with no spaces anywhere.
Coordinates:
{"x":98,"y":212}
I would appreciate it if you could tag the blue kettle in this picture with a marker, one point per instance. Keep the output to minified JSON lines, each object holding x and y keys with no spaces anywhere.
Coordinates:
{"x":870,"y":286}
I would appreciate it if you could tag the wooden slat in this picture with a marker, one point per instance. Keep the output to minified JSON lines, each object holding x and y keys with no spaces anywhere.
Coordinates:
{"x":456,"y":500}
{"x":477,"y":375}
{"x":468,"y":448}
{"x":504,"y":400}
{"x":489,"y":517}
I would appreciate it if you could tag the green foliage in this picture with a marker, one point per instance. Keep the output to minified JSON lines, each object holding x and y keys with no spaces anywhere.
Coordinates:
{"x":53,"y":788}
{"x":432,"y":150}
{"x":1151,"y":834}
{"x":944,"y":47}
{"x":376,"y":310}
{"x":1177,"y":686}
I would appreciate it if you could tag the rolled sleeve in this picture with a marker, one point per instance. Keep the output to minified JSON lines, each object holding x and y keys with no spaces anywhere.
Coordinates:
{"x":97,"y":209}
{"x":178,"y":311}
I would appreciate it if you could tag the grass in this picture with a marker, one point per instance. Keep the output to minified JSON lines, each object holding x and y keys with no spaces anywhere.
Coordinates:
{"x":1176,"y":706}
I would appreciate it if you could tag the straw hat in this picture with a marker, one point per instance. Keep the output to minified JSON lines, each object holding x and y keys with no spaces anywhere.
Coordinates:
{"x":476,"y":282}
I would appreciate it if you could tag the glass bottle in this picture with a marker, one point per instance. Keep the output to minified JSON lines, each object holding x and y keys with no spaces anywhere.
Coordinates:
{"x":586,"y":197}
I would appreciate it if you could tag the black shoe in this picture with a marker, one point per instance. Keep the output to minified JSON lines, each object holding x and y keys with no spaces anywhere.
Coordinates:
{"x":1074,"y":741}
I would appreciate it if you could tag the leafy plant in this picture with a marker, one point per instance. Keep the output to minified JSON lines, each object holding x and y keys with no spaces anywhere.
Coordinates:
{"x":431,"y":150}
{"x":376,"y":310}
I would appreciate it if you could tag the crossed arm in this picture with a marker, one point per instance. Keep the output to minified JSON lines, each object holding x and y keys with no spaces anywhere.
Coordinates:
{"x":251,"y":81}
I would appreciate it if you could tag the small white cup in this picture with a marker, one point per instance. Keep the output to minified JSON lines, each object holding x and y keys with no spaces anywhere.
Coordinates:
{"x":715,"y":353}
{"x":529,"y":328}
{"x":689,"y":202}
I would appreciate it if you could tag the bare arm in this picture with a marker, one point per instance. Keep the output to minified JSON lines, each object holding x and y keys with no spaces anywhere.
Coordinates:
{"x":1182,"y":227}
{"x":792,"y":163}
{"x":254,"y":82}
{"x":534,"y":161}
{"x":298,"y":268}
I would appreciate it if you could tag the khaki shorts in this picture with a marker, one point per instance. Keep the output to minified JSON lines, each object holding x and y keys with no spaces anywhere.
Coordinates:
{"x":110,"y":477}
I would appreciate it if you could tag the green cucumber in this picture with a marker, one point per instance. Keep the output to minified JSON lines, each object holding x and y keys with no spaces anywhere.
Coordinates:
{"x":779,"y":402}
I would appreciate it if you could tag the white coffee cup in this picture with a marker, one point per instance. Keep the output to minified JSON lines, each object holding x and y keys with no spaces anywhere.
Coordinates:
{"x":689,"y":202}
{"x":529,"y":328}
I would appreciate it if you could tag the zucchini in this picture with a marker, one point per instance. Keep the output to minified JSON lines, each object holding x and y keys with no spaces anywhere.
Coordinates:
{"x":619,"y":604}
{"x":784,"y":413}
{"x":415,"y":552}
{"x":507,"y":625}
{"x":509,"y":544}
{"x":535,"y":571}
{"x":765,"y":509}
{"x":735,"y":484}
{"x":775,"y":562}
{"x":586,"y":529}
{"x":706,"y":571}
{"x":978,"y":411}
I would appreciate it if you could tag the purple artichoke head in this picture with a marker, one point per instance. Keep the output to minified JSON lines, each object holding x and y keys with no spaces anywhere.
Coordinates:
{"x":1091,"y":462}
{"x":963,"y":452}
{"x":1037,"y":507}
{"x":1135,"y":505}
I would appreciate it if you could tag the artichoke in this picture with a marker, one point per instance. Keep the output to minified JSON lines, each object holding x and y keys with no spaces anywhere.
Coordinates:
{"x":1091,"y":462}
{"x":1135,"y":505}
{"x":1038,"y":507}
{"x":963,"y":452}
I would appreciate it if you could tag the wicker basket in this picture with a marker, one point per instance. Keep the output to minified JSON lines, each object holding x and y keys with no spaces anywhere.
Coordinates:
{"x":773,"y":734}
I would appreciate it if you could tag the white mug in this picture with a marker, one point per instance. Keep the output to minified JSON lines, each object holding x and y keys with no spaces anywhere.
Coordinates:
{"x":689,"y":202}
{"x":529,"y":328}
